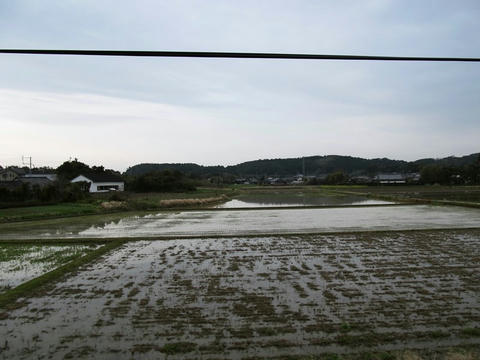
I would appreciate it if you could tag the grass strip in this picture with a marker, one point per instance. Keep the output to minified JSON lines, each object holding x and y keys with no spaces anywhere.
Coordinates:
{"x":5,"y":220}
{"x":31,"y":287}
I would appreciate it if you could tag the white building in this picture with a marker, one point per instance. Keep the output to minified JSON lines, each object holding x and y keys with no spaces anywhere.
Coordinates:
{"x":391,"y":178}
{"x":102,"y":182}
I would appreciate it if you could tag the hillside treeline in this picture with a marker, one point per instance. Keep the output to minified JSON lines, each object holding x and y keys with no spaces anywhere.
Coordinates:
{"x":316,"y":166}
{"x":161,"y":181}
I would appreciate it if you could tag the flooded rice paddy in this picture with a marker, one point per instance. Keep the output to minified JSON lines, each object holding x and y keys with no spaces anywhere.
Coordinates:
{"x":251,"y":222}
{"x":297,"y":199}
{"x":265,"y":296}
{"x":246,"y":294}
{"x":22,"y":262}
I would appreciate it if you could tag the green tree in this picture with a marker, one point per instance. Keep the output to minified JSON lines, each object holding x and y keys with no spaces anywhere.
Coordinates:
{"x":441,"y":174}
{"x":336,"y":178}
{"x":161,"y":181}
{"x":71,"y":169}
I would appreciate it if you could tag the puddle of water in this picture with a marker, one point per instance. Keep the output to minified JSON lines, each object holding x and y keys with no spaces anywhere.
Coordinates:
{"x":268,"y":296}
{"x":233,"y":222}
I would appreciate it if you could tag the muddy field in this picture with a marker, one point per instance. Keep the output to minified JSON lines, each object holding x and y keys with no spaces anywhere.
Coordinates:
{"x":23,"y":262}
{"x":258,"y":297}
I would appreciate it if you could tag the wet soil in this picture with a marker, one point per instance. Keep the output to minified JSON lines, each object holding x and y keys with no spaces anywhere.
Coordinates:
{"x":23,"y":262}
{"x":247,"y":297}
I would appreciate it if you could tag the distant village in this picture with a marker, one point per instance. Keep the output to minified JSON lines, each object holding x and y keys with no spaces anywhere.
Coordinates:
{"x":13,"y":177}
{"x":379,"y":179}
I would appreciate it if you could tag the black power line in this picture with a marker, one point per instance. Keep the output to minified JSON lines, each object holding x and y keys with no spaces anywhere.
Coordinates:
{"x":233,"y":55}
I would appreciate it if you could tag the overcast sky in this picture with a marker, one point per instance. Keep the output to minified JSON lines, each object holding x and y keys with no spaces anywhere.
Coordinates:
{"x":122,"y":111}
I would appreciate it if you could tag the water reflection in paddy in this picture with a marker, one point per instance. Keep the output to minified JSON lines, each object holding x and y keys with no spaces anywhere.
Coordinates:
{"x":299,"y":199}
{"x":234,"y":222}
{"x":22,"y":262}
{"x":235,"y":203}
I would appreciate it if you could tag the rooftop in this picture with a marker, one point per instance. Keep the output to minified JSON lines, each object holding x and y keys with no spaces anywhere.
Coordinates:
{"x":95,"y":177}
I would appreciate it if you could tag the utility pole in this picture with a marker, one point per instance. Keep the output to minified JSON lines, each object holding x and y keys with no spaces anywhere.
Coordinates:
{"x":303,"y":166}
{"x":29,"y":163}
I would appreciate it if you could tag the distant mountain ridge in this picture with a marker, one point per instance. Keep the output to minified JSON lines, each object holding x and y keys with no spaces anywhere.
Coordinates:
{"x":314,"y":165}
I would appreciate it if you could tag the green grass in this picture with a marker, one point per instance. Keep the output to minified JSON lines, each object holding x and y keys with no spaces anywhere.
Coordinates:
{"x":46,"y":211}
{"x":133,"y":201}
{"x":471,"y":332}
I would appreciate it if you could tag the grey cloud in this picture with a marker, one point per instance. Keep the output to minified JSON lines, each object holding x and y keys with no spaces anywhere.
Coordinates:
{"x":394,"y":103}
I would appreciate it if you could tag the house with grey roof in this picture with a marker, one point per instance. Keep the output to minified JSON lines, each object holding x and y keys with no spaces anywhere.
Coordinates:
{"x":51,"y":177}
{"x":41,"y":181}
{"x":11,"y":174}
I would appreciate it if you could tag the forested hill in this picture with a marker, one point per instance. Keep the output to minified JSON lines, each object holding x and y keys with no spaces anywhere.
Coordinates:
{"x":314,"y":165}
{"x":186,"y":168}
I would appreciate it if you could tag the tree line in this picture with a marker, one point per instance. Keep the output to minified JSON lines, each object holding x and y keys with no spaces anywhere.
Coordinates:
{"x":168,"y":178}
{"x":311,"y":166}
{"x":451,"y":175}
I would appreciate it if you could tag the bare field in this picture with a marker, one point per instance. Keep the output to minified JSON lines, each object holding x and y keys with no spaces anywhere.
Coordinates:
{"x":258,"y":297}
